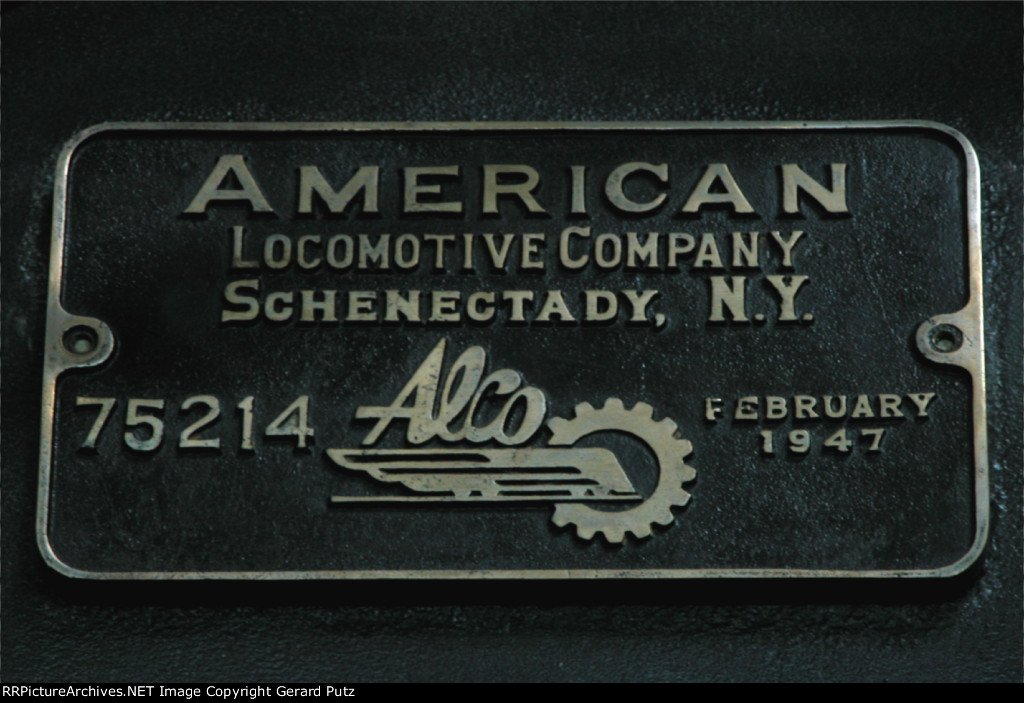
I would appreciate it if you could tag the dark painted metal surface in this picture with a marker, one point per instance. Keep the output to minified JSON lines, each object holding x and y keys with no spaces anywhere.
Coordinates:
{"x":69,"y":66}
{"x":157,"y":278}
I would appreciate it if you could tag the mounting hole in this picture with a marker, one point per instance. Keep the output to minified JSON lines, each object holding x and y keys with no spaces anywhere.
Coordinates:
{"x":946,"y":339}
{"x":81,"y":340}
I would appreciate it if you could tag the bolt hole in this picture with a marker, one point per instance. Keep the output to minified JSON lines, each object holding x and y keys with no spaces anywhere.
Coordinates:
{"x":946,"y":338}
{"x":81,"y":340}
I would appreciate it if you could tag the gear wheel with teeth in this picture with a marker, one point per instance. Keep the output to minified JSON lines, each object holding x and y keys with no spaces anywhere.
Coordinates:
{"x":663,"y":439}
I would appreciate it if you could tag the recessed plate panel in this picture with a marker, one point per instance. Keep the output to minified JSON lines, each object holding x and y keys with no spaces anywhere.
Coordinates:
{"x":526,"y":350}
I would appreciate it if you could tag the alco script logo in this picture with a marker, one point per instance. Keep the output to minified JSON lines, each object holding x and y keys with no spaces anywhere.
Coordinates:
{"x":445,"y":409}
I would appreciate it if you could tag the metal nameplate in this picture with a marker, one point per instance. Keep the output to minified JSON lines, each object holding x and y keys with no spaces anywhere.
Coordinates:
{"x":514,"y":350}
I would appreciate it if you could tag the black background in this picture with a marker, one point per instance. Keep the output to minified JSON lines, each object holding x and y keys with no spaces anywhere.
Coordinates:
{"x":67,"y":66}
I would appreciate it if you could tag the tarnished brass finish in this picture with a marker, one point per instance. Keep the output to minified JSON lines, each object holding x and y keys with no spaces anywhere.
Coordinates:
{"x":428,"y":271}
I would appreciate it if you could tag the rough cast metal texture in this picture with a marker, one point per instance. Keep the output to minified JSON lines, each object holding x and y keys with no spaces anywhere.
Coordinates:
{"x":832,"y":440}
{"x":954,"y":64}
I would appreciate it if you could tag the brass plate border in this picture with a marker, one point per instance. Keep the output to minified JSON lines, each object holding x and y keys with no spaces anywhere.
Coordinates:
{"x":971,"y":356}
